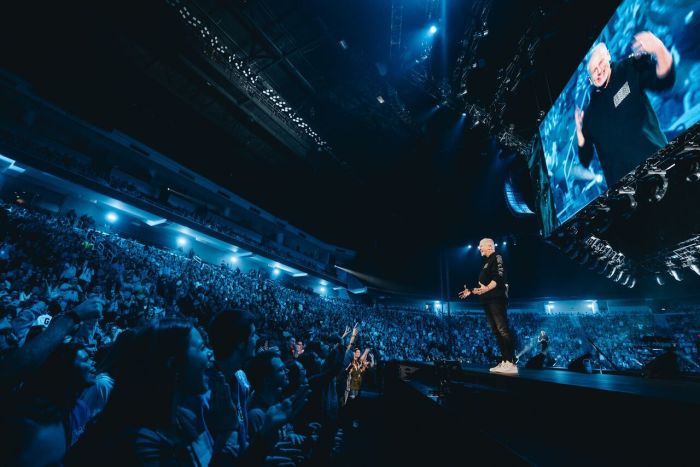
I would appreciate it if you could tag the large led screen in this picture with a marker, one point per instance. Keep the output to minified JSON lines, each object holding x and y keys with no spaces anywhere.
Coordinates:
{"x":637,"y":88}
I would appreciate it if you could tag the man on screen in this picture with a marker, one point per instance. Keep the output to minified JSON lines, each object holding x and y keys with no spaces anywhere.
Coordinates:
{"x":619,"y":120}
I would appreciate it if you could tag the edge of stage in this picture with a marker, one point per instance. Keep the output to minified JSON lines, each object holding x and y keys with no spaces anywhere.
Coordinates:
{"x":550,"y":416}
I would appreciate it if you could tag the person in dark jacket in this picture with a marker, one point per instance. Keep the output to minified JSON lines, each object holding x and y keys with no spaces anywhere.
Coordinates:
{"x":619,"y":120}
{"x":493,"y":295}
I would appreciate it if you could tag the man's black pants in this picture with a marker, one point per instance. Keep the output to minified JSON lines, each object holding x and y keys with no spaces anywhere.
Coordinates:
{"x":498,"y":320}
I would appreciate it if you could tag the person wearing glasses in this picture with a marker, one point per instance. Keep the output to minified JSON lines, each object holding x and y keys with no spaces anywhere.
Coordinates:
{"x":619,"y":121}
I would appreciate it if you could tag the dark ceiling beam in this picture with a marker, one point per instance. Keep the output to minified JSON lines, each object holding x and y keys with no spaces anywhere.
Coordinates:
{"x":304,"y":48}
{"x":257,"y":113}
{"x":260,"y":35}
{"x":182,"y":85}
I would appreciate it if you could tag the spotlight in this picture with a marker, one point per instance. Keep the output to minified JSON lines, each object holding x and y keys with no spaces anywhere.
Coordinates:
{"x":633,"y":283}
{"x":619,"y":276}
{"x":694,"y":267}
{"x":181,"y":241}
{"x":624,"y":202}
{"x":612,"y":272}
{"x":111,"y":217}
{"x":660,"y":279}
{"x":675,"y":274}
{"x":276,"y":271}
{"x":653,"y":186}
{"x":323,"y":289}
{"x":603,"y":265}
{"x":694,"y":172}
{"x":432,"y":30}
{"x":234,"y":259}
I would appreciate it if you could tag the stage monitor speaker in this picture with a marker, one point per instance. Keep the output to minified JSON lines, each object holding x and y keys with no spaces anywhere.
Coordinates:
{"x":536,"y":362}
{"x":663,"y":366}
{"x":582,"y":364}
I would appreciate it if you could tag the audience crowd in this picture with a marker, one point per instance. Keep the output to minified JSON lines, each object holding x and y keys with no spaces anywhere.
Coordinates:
{"x":112,"y":349}
{"x":96,"y":171}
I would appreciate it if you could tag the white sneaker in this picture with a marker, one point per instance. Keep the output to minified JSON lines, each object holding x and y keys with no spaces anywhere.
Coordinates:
{"x":508,"y":368}
{"x":497,"y":368}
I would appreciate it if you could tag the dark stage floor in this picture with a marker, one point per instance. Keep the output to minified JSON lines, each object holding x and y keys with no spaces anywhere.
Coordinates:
{"x":540,"y":417}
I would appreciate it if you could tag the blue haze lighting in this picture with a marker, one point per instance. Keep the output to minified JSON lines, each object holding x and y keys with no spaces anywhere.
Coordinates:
{"x":111,"y":217}
{"x":181,"y":241}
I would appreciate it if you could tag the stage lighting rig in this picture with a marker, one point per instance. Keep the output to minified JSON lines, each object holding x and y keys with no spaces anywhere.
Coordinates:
{"x":695,"y":268}
{"x":217,"y":47}
{"x":688,"y":160}
{"x":673,"y":262}
{"x":619,"y":276}
{"x":623,"y":202}
{"x":693,"y":172}
{"x":653,"y":186}
{"x":674,"y":273}
{"x":606,"y":260}
{"x":600,"y":219}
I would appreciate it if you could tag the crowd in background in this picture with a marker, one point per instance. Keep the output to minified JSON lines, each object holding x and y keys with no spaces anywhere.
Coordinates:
{"x":73,"y":298}
{"x":96,"y":171}
{"x":52,"y":262}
